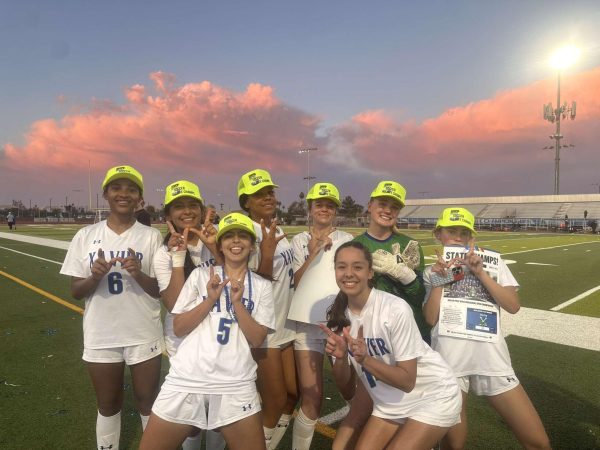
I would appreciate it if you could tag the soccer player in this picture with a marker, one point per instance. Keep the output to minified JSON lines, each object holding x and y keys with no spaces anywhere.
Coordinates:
{"x":276,"y":370}
{"x":483,"y":367}
{"x":398,"y":264}
{"x":110,"y":265}
{"x":415,"y":395}
{"x":222,"y":313}
{"x":309,"y":345}
{"x":187,"y":245}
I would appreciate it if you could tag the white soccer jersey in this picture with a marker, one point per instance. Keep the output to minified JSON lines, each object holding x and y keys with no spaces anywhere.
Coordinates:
{"x":283,"y":289}
{"x":300,"y":245}
{"x":215,"y":357}
{"x":470,"y":357}
{"x":118,"y":313}
{"x":392,"y":335}
{"x":163,"y":266}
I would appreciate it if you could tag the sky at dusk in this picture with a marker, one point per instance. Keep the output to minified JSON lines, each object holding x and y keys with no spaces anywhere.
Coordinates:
{"x":445,"y":97}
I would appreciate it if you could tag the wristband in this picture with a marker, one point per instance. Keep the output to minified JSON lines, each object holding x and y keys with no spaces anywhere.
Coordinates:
{"x":178,"y":257}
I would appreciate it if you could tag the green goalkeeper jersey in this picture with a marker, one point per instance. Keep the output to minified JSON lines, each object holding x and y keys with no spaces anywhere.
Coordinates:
{"x":414,"y":292}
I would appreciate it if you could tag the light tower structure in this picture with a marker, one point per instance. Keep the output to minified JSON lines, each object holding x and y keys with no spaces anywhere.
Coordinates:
{"x":307,"y":150}
{"x":562,"y":59}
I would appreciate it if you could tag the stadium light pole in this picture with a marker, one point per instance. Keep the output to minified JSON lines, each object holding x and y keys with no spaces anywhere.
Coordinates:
{"x":307,"y":150}
{"x":561,"y":59}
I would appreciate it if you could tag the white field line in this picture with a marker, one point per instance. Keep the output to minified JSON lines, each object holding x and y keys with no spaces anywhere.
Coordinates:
{"x":550,"y":248}
{"x":54,"y":243}
{"x":575,"y":299}
{"x":556,"y":327}
{"x":486,"y":241}
{"x":335,"y":416}
{"x":33,"y":256}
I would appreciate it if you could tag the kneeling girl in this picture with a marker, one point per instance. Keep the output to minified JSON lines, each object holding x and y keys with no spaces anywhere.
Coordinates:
{"x":415,"y":396}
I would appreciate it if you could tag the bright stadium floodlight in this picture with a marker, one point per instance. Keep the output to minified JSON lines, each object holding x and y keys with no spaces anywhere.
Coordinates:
{"x":562,"y":58}
{"x":565,"y":57}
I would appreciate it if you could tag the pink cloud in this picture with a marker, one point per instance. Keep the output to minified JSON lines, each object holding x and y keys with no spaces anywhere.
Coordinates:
{"x":198,"y":123}
{"x":500,"y":138}
{"x":208,"y":133}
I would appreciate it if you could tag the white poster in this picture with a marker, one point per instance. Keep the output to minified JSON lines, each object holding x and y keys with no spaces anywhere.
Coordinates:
{"x":313,"y":294}
{"x":467,"y":310}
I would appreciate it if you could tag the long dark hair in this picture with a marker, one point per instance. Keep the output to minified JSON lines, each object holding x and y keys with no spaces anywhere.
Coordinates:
{"x":336,"y":313}
{"x":189,"y":265}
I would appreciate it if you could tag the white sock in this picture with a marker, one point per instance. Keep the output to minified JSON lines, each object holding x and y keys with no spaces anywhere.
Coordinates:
{"x":303,"y":431}
{"x":268,"y":435}
{"x":108,"y":431}
{"x":280,"y":430}
{"x":214,"y":440}
{"x":192,"y":442}
{"x":145,"y":420}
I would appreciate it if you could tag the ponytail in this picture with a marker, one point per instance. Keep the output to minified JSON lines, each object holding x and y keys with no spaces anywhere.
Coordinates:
{"x":336,"y":313}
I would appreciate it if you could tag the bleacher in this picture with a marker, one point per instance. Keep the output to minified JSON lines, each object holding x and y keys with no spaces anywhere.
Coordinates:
{"x":526,"y":212}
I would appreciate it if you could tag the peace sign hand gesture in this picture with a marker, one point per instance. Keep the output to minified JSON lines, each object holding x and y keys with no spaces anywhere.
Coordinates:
{"x":474,"y":261}
{"x":101,"y":267}
{"x":441,"y":266}
{"x":237,"y":289}
{"x":208,"y":233}
{"x":177,"y":241}
{"x":269,"y":240}
{"x":336,"y":344}
{"x":357,"y":346}
{"x":214,"y":287}
{"x":132,"y":263}
{"x":319,"y":241}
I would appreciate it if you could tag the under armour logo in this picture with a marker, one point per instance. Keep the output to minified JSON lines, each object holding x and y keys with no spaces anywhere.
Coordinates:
{"x":154,"y":348}
{"x":247,"y":407}
{"x":102,"y":447}
{"x":98,"y":241}
{"x":509,"y":379}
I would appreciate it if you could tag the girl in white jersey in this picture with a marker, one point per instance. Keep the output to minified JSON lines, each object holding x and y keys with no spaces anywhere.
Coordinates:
{"x":484,"y":367}
{"x":110,"y":264}
{"x":187,"y":245}
{"x":223,"y":312}
{"x":276,"y":369}
{"x":309,"y":345}
{"x":415,"y":395}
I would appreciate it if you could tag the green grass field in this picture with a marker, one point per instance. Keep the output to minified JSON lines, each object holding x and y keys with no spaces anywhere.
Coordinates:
{"x":47,"y":401}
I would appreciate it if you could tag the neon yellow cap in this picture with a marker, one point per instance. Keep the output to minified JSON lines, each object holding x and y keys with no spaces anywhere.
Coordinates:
{"x":455,"y":217}
{"x":324,"y":190}
{"x":127,"y":172}
{"x":390,"y":189}
{"x":254,"y":181}
{"x":182,"y":188}
{"x":235,"y":221}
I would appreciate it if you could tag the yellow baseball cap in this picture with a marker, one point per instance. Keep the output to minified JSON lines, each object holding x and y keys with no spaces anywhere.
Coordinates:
{"x":126,"y":172}
{"x":254,"y":181}
{"x":324,"y":190}
{"x":390,"y":189}
{"x":182,"y":188}
{"x":235,"y":221}
{"x":455,"y":217}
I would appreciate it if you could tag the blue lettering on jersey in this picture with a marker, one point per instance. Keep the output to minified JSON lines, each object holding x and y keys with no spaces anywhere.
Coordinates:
{"x":248,"y":304}
{"x":288,"y":256}
{"x":376,"y":347}
{"x":91,"y":256}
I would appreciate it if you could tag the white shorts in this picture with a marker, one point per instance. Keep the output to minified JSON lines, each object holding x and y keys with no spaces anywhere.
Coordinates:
{"x":487,"y":385}
{"x":132,"y":354}
{"x":443,"y":412}
{"x":281,"y":338}
{"x":206,"y":411}
{"x":309,"y":337}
